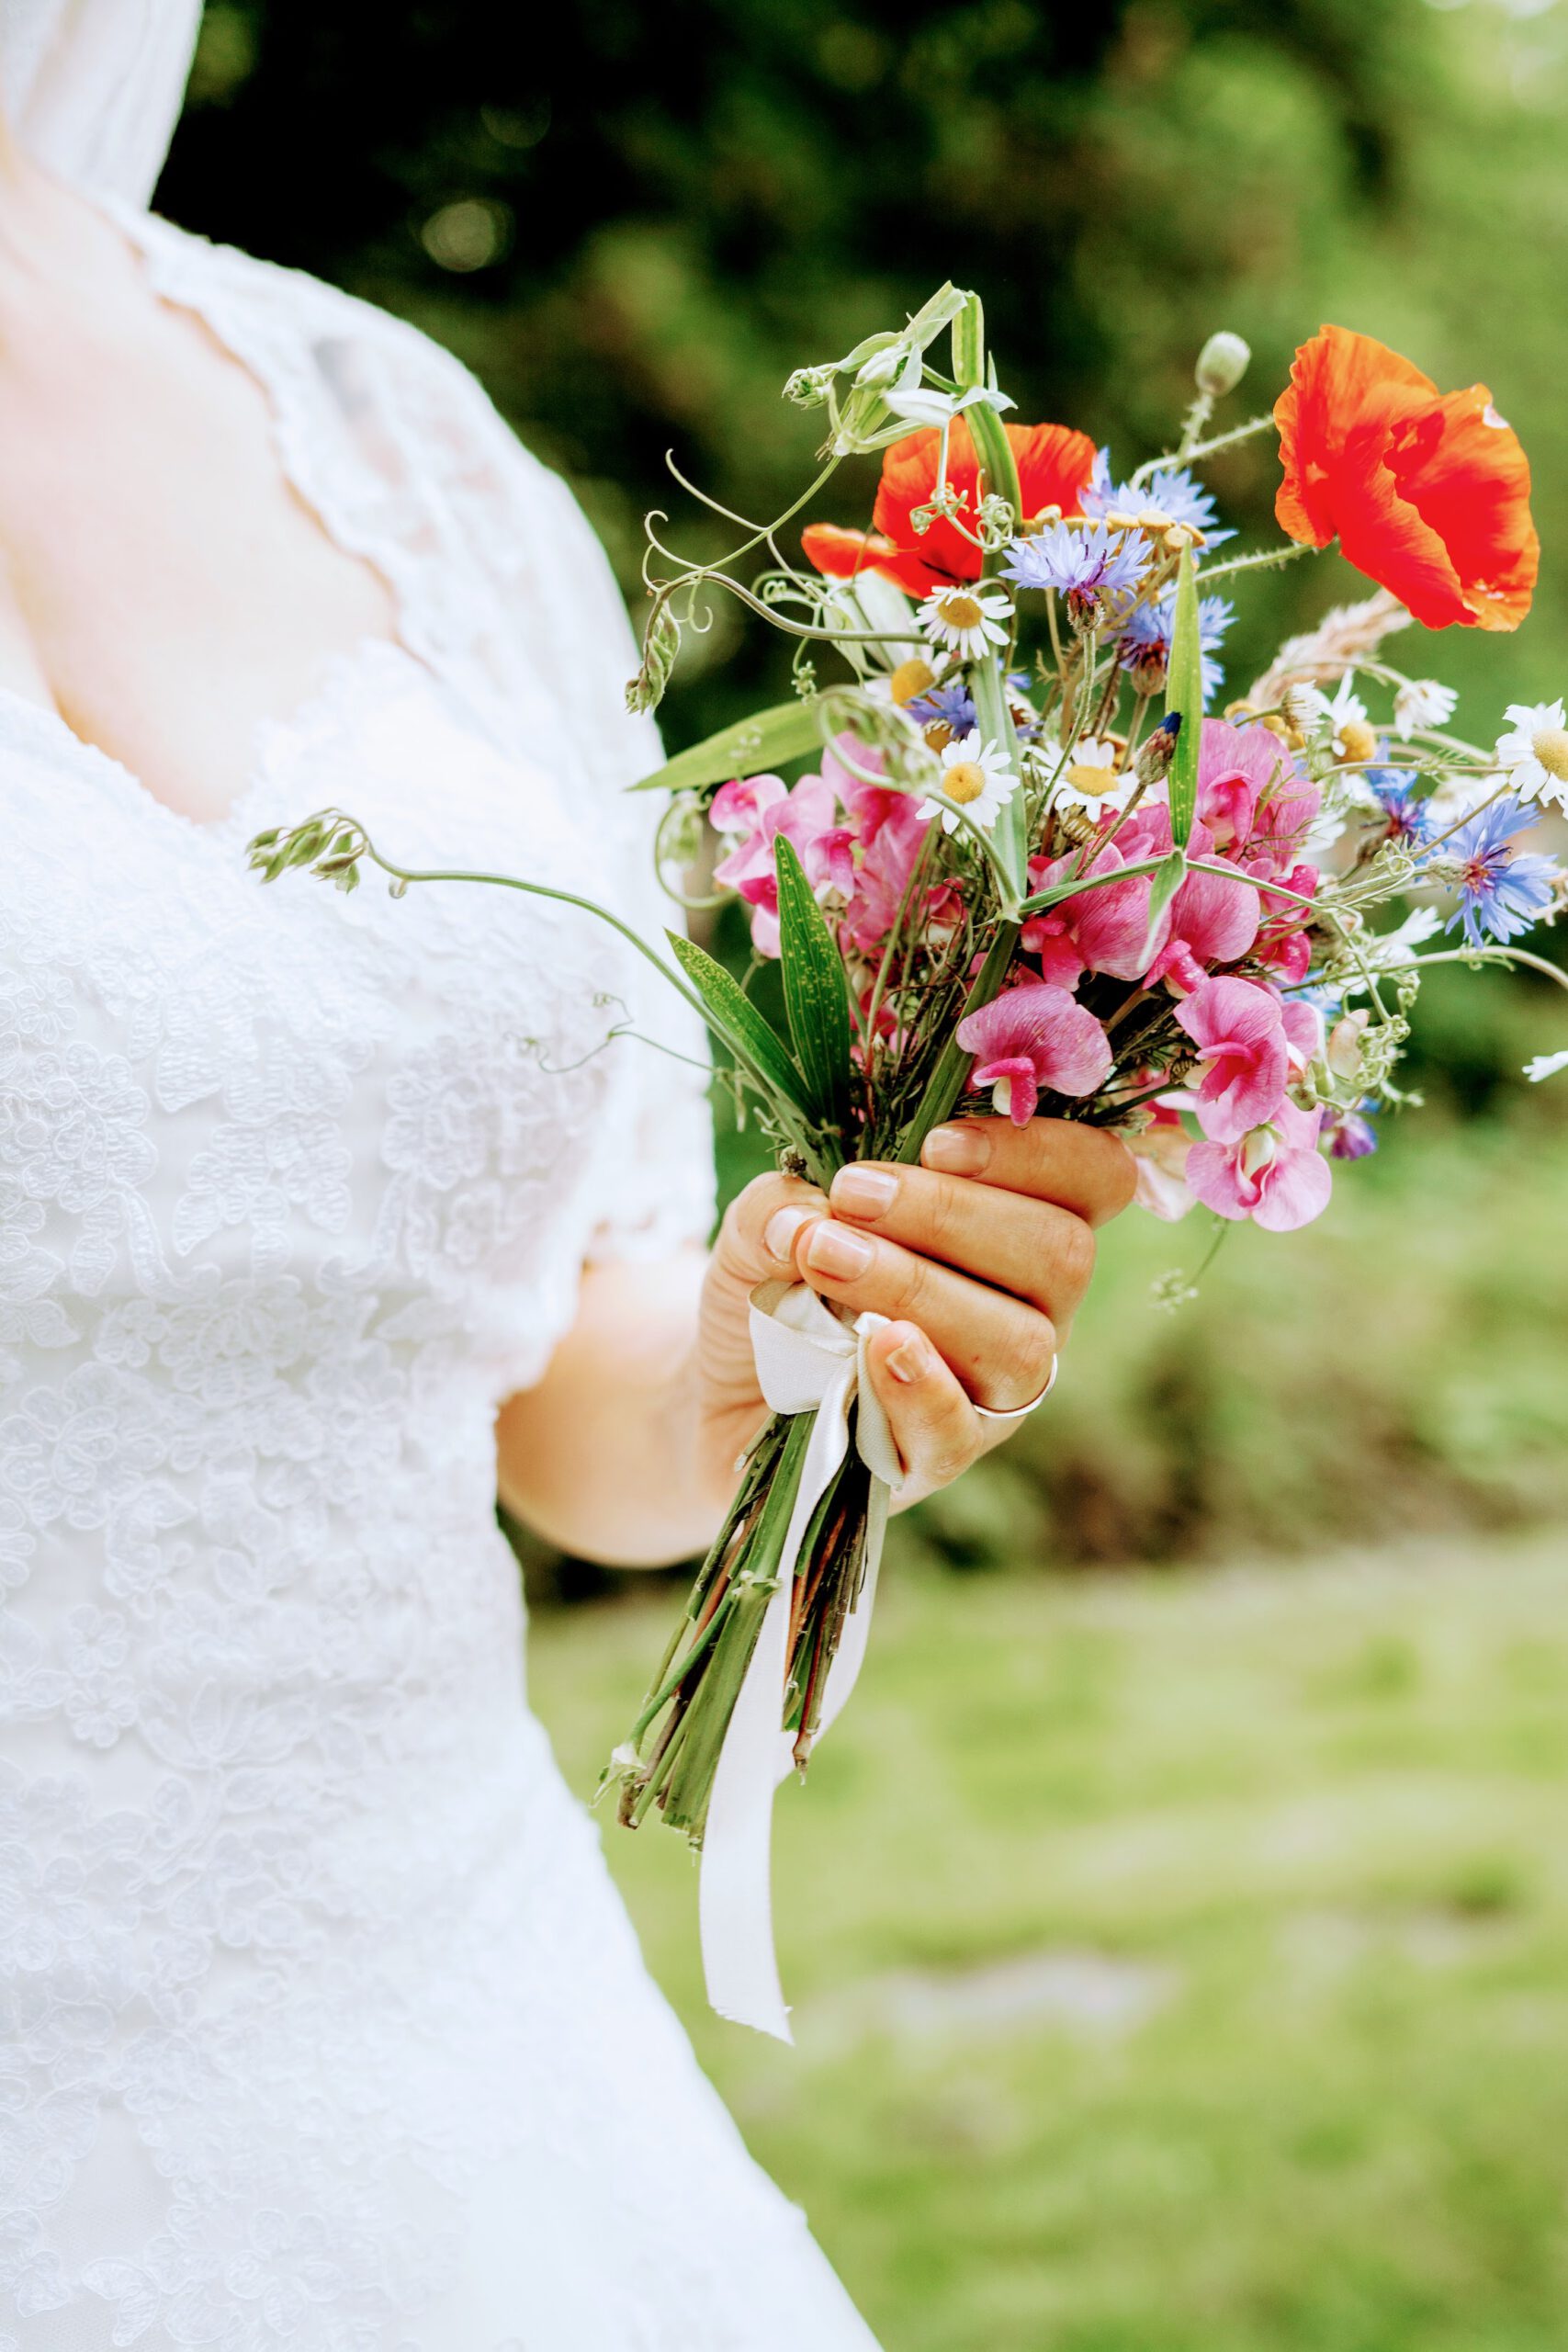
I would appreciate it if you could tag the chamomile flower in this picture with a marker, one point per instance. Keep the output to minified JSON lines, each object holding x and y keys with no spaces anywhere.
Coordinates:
{"x":1350,"y":736}
{"x":1422,"y":703}
{"x":975,"y":781}
{"x":1092,"y":776}
{"x":1534,"y":754}
{"x":967,"y":620}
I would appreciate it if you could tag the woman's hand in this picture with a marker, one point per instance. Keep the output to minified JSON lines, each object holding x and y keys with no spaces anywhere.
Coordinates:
{"x":980,"y":1257}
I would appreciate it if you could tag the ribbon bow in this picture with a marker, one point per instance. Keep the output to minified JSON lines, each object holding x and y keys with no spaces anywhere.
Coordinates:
{"x":807,"y":1362}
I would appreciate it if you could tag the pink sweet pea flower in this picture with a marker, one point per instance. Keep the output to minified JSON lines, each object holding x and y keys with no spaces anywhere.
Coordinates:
{"x":1285,"y":816}
{"x":1235,"y":768}
{"x":878,"y":884}
{"x":1051,"y":935}
{"x":1030,"y":1037}
{"x":1287,"y":955}
{"x":1160,"y":1153}
{"x":1276,"y":1175}
{"x":1104,"y":929}
{"x":1243,"y":1051}
{"x":759,"y":809}
{"x":1306,"y":1036}
{"x":1213,"y":921}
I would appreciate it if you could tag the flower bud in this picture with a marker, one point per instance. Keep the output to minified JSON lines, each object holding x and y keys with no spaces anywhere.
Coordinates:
{"x":1222,"y":363}
{"x":808,"y":387}
{"x":1153,"y":760}
{"x":1344,"y":1054}
{"x":660,"y":644}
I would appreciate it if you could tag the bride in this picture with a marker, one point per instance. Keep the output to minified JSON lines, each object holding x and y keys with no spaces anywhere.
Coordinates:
{"x":325,"y":2026}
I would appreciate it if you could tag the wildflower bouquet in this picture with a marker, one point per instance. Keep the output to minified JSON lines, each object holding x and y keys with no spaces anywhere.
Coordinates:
{"x":1018,"y":867}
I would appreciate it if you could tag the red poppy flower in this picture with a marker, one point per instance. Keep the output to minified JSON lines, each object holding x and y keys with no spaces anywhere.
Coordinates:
{"x":1427,"y":492}
{"x":1054,"y":464}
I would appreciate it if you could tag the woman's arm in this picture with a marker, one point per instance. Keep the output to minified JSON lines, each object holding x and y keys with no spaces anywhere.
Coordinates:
{"x":627,"y":1450}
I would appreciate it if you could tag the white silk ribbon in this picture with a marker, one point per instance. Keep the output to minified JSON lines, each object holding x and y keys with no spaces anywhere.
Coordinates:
{"x":807,"y":1361}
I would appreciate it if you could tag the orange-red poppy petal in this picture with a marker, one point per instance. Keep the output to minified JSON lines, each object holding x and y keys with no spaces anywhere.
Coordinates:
{"x":908,"y":478}
{"x":1332,"y":377}
{"x":839,"y":553}
{"x":1429,"y":494}
{"x":1463,"y":471}
{"x":1054,"y":463}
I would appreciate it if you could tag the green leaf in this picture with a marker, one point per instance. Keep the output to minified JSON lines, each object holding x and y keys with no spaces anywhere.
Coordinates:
{"x":754,"y":1041}
{"x":816,"y":995}
{"x":750,"y":748}
{"x":1168,"y":877}
{"x":1184,"y":694}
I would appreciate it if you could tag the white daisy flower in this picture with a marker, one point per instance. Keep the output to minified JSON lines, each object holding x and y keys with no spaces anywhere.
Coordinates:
{"x":1533,"y":753}
{"x":1420,"y":703}
{"x":975,"y":779}
{"x":1348,"y":730}
{"x":1092,"y":776}
{"x":1545,"y":1066}
{"x":968,"y":621}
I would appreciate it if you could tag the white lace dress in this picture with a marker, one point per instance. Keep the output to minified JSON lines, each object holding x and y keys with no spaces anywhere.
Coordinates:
{"x":325,"y":2029}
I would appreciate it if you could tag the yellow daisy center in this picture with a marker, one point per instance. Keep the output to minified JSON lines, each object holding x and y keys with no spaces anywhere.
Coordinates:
{"x":910,"y":681}
{"x":1550,"y":748}
{"x":1361,"y":743}
{"x":1085,"y":776}
{"x":964,"y":781}
{"x":962,"y":612}
{"x":939,"y":734}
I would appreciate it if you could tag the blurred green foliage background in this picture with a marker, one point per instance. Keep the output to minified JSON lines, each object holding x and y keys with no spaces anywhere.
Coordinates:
{"x":1180,"y":1957}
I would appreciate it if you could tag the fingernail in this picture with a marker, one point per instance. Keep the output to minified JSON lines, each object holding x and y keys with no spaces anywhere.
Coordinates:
{"x":780,"y":1232}
{"x":956,"y":1151}
{"x":864,"y":1192}
{"x":835,"y":1249}
{"x":913,"y":1359}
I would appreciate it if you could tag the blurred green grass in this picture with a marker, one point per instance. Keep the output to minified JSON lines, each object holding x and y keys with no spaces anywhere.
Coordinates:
{"x":1180,"y":1963}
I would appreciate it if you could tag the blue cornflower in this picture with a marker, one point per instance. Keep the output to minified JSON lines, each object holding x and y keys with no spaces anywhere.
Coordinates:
{"x":1145,"y":642}
{"x":1350,"y":1135}
{"x":1409,"y":817}
{"x":1090,"y":568}
{"x":1169,"y":490}
{"x":1499,"y":890}
{"x":951,"y":705}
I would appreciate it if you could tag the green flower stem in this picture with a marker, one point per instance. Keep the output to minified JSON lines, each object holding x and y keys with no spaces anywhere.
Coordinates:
{"x":689,"y":1786}
{"x":1260,"y":560}
{"x":1010,"y":858}
{"x":1188,"y":456}
{"x":787,"y":1111}
{"x":946,"y":1081}
{"x":1500,"y":955}
{"x":1042,"y":900}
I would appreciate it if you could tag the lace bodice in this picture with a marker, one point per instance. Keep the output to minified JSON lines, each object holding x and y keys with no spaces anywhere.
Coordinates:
{"x":325,"y":2029}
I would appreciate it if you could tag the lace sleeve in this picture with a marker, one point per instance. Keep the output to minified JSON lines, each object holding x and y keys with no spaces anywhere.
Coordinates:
{"x":662,"y":1192}
{"x":522,"y":606}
